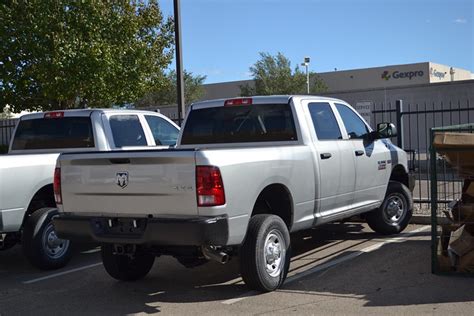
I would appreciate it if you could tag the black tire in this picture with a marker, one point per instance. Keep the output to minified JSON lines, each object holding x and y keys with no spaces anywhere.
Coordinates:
{"x":393,"y":216}
{"x":254,"y":263}
{"x":41,"y":245}
{"x":124,"y":267}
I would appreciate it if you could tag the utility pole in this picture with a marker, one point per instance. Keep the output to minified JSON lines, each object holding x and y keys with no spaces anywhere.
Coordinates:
{"x":306,"y":64}
{"x":179,"y":62}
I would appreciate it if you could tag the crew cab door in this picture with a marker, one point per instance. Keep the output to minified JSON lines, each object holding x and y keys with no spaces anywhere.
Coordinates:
{"x":336,"y":165}
{"x":372,"y":160}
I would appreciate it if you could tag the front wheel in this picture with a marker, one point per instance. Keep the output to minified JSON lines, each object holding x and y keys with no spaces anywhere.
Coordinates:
{"x":43,"y":248}
{"x":265,"y":253}
{"x":393,"y":216}
{"x":127,"y":267}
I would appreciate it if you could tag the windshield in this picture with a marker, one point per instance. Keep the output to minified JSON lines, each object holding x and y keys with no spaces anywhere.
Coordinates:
{"x":240,"y":124}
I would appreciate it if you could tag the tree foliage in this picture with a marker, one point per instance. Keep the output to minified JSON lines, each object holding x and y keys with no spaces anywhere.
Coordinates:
{"x":167,"y":94}
{"x":273,"y":75}
{"x":64,"y":53}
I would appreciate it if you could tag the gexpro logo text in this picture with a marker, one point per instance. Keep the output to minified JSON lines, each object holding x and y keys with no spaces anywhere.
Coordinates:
{"x":387,"y":75}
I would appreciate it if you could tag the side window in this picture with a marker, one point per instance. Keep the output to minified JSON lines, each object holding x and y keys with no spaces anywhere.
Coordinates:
{"x":127,"y":131}
{"x":163,"y":132}
{"x":355,"y":127}
{"x":324,"y":121}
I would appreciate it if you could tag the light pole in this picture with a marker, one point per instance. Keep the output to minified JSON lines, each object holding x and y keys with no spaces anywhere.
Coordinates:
{"x":179,"y":62}
{"x":306,"y":64}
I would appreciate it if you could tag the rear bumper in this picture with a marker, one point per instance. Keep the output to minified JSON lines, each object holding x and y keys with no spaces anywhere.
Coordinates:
{"x":163,"y":231}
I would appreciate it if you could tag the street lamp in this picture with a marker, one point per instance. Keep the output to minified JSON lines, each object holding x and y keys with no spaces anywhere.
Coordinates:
{"x":306,"y":64}
{"x":179,"y":62}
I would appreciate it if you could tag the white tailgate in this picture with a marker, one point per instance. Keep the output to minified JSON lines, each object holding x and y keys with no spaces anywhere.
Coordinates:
{"x":137,"y":183}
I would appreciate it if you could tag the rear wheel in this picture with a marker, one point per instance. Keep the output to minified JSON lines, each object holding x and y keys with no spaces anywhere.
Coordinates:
{"x":265,"y":253}
{"x":393,"y":216}
{"x":40,"y":243}
{"x":127,"y":267}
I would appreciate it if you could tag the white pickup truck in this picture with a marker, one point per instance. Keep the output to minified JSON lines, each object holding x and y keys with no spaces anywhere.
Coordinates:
{"x":26,"y":172}
{"x":246,"y":172}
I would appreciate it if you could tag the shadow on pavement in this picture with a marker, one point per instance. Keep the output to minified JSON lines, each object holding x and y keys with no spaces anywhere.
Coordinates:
{"x":396,"y":274}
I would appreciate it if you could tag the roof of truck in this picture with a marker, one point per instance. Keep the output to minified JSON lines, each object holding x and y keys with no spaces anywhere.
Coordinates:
{"x":81,"y":112}
{"x":260,"y":100}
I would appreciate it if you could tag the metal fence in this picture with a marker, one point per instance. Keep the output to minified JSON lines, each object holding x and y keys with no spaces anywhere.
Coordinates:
{"x":414,"y":122}
{"x":6,"y":131}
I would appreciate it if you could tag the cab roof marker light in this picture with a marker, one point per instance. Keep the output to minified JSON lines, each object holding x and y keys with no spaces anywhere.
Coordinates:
{"x":240,"y":101}
{"x":59,"y":114}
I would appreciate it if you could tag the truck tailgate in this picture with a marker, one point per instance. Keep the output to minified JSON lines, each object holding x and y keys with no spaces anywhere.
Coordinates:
{"x":129,"y":183}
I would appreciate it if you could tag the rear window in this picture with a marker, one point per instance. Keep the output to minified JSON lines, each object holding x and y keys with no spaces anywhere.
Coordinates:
{"x":240,"y":124}
{"x":54,"y":133}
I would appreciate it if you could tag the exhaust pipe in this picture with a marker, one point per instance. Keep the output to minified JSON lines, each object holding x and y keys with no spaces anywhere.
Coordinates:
{"x":213,"y":254}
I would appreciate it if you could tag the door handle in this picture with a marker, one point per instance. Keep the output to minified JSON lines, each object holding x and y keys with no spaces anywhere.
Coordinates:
{"x":359,"y":152}
{"x":119,"y":161}
{"x":325,"y":156}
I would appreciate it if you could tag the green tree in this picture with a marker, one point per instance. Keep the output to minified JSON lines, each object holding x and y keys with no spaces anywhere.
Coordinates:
{"x":273,"y":75}
{"x":167,"y":94}
{"x":64,"y":53}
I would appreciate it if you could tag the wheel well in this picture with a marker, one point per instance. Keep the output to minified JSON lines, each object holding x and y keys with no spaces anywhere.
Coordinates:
{"x":400,"y":175}
{"x":44,"y":197}
{"x":275,"y":199}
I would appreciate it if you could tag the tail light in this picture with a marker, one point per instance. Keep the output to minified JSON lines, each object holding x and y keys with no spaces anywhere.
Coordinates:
{"x":57,"y":186}
{"x":209,"y":186}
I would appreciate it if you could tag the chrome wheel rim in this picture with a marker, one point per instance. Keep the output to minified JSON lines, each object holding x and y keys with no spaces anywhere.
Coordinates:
{"x":274,"y":253}
{"x":54,"y":246}
{"x":395,"y":209}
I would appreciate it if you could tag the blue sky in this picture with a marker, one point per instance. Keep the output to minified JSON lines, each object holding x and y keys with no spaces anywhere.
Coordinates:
{"x":222,"y":38}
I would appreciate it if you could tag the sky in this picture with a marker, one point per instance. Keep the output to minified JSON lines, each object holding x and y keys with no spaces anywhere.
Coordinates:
{"x":221,"y":39}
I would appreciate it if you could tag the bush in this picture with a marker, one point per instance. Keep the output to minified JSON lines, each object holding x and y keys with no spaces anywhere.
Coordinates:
{"x":3,"y":149}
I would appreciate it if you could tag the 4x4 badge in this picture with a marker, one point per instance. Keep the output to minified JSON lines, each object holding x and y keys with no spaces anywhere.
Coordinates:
{"x":122,"y":179}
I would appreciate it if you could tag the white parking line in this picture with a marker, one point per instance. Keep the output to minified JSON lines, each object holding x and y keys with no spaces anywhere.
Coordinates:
{"x":334,"y":262}
{"x":62,"y":273}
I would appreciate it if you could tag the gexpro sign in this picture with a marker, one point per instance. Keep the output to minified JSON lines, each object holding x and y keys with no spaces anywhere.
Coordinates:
{"x":394,"y":75}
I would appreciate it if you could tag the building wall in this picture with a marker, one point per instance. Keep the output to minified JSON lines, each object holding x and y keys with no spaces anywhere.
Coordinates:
{"x":379,"y":77}
{"x":442,"y":73}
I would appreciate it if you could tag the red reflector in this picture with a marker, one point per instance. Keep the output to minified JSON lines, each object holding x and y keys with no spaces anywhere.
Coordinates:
{"x":209,"y":186}
{"x":57,"y":186}
{"x":242,"y":101}
{"x":54,"y":115}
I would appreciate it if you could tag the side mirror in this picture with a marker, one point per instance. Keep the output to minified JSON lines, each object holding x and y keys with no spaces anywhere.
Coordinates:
{"x":386,"y":130}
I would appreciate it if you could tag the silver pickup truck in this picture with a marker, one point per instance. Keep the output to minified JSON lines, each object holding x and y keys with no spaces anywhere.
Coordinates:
{"x":246,"y":172}
{"x":26,"y":172}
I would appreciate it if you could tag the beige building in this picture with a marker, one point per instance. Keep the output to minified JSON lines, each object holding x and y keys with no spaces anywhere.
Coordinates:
{"x":362,"y":79}
{"x":419,"y":82}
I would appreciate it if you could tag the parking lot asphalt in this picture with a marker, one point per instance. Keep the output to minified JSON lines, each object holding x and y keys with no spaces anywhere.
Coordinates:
{"x":341,"y":268}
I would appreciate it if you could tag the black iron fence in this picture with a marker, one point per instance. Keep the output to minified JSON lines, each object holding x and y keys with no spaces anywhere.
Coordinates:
{"x":414,"y":122}
{"x":6,"y":131}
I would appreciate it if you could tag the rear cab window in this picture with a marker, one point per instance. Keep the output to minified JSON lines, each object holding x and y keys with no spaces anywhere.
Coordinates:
{"x":54,"y":133}
{"x":240,"y":124}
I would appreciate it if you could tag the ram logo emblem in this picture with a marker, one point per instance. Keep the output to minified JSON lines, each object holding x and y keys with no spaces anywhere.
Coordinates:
{"x":122,"y":179}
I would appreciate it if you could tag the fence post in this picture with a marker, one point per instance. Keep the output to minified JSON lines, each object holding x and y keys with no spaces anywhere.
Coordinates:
{"x":399,"y":108}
